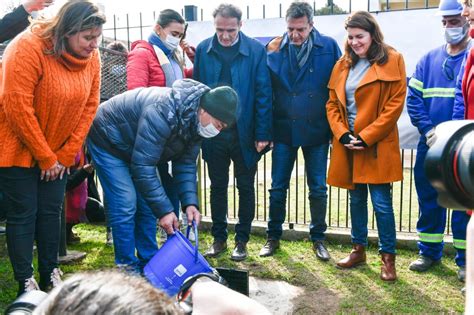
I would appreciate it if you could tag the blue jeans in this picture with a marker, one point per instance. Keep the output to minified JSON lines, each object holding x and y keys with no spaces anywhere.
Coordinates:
{"x":381,"y":197}
{"x":283,"y":160}
{"x":220,"y":151}
{"x":133,"y":222}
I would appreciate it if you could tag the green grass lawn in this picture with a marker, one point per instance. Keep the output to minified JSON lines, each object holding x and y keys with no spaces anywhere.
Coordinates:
{"x":327,"y":289}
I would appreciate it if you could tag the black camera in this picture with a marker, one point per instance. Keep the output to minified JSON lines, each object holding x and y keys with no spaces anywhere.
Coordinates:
{"x":449,"y":164}
{"x":26,"y":303}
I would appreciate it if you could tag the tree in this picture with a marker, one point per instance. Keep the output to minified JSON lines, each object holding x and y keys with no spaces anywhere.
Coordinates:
{"x":330,"y":8}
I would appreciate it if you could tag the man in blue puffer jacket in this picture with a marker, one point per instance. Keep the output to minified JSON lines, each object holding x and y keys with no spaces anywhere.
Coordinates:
{"x":138,"y":130}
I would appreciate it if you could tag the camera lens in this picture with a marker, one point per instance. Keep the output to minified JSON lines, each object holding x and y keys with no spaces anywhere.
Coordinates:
{"x":449,"y":164}
{"x":26,"y":303}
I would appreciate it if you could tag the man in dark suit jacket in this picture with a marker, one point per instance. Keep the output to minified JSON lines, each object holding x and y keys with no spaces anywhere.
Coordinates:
{"x":300,"y":64}
{"x":230,"y":58}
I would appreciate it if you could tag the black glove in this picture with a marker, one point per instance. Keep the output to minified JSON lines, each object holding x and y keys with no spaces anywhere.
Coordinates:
{"x":362,"y":144}
{"x":345,"y":138}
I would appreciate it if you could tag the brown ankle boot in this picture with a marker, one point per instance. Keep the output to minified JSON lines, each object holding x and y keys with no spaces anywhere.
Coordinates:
{"x":356,"y":257}
{"x":388,"y":272}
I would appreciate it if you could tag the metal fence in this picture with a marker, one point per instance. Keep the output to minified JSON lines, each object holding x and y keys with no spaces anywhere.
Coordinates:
{"x":404,"y":195}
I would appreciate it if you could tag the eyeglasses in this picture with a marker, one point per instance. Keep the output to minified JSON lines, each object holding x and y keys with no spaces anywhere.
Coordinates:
{"x":448,"y":71}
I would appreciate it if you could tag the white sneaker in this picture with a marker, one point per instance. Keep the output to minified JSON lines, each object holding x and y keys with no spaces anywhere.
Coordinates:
{"x":31,"y":284}
{"x":192,"y":236}
{"x":56,"y":277}
{"x":163,"y":236}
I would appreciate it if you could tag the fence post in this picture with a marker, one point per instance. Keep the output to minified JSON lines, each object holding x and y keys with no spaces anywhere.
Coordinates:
{"x":248,"y":12}
{"x":264,"y":12}
{"x":115,"y":29}
{"x":202,"y":13}
{"x":128,"y":33}
{"x":280,"y":10}
{"x":141,"y":26}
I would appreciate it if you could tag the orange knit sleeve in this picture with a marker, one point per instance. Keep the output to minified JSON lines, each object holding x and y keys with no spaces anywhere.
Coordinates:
{"x":22,"y":69}
{"x":69,"y":150}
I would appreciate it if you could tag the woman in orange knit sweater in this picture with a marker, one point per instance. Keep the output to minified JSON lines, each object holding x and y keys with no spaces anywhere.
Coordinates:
{"x":48,"y":99}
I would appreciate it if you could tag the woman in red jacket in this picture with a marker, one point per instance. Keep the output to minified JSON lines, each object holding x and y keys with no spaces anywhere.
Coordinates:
{"x":159,"y":61}
{"x":467,"y":82}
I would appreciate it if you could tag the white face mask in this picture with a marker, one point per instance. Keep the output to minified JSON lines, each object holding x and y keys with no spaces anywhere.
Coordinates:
{"x":455,"y":35}
{"x":207,"y":132}
{"x":172,"y":42}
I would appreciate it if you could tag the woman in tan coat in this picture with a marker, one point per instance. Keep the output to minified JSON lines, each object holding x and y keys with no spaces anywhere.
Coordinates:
{"x":366,"y":96}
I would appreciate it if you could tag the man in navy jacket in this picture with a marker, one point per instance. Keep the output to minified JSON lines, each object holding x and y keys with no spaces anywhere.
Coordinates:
{"x":300,"y":65}
{"x":230,"y":58}
{"x":138,"y":130}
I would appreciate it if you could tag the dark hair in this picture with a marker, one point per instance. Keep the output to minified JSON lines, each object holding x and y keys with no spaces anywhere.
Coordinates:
{"x":117,"y":46}
{"x":74,"y":16}
{"x":169,"y":16}
{"x":228,"y":10}
{"x":106,"y":292}
{"x":299,"y":9}
{"x":378,"y":50}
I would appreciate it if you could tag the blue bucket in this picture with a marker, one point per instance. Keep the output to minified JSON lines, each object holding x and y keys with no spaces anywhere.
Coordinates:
{"x":175,"y":261}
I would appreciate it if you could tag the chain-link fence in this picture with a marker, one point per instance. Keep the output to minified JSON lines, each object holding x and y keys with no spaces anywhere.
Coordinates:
{"x":114,"y":73}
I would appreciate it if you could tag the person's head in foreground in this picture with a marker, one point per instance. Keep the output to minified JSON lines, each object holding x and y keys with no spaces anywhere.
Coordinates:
{"x":106,"y":292}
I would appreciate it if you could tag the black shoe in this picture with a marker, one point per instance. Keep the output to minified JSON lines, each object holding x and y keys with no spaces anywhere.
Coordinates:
{"x":240,"y":251}
{"x":269,"y":248}
{"x":216,"y":248}
{"x":423,"y":263}
{"x":321,"y":251}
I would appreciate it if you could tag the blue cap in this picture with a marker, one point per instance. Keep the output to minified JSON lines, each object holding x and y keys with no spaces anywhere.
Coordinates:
{"x":449,"y":7}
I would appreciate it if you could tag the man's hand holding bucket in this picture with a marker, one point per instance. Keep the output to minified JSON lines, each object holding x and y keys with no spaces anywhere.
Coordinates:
{"x":193,"y":214}
{"x":170,"y":222}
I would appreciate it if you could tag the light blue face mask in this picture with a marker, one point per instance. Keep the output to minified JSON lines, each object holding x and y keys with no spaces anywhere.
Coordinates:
{"x":455,"y":35}
{"x":171,"y":42}
{"x":207,"y":132}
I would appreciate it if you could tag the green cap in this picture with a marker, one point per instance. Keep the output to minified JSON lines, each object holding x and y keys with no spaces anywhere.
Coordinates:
{"x":221,"y":103}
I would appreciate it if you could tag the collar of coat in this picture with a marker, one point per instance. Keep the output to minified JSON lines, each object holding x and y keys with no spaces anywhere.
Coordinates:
{"x":280,"y":42}
{"x":244,"y":48}
{"x":387,"y":72}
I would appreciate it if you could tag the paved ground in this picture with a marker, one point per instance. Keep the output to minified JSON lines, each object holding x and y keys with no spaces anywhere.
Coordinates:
{"x":277,"y":296}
